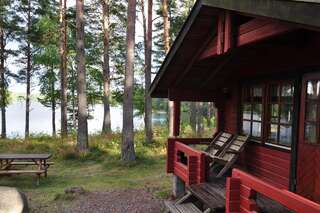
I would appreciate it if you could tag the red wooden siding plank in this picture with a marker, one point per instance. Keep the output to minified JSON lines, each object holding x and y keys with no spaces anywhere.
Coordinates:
{"x":284,"y":197}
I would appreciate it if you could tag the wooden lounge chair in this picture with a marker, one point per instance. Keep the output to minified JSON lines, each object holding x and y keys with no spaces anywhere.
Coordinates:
{"x":230,"y":154}
{"x":218,"y":144}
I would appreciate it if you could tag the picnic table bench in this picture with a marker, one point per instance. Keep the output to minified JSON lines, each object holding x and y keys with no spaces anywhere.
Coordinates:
{"x":9,"y":162}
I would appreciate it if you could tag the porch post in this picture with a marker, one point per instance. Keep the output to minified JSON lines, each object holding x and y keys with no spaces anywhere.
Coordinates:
{"x":178,"y":186}
{"x":176,"y":118}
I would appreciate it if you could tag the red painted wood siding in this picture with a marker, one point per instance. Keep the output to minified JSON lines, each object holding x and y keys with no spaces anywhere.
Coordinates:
{"x":309,"y":172}
{"x":267,"y":163}
{"x":231,"y":112}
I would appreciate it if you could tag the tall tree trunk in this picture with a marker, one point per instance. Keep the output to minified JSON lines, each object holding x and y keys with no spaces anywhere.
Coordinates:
{"x":193,"y":116}
{"x":73,"y":93}
{"x":63,"y":67}
{"x":28,"y":73}
{"x":82,"y":136}
{"x":53,"y":105}
{"x":147,"y":72}
{"x":199,"y":119}
{"x":106,"y":126}
{"x":166,"y":39}
{"x":127,"y":146}
{"x":2,"y":85}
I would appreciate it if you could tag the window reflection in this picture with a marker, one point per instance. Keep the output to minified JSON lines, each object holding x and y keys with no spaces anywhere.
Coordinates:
{"x":310,"y":133}
{"x":313,"y":88}
{"x":311,"y":111}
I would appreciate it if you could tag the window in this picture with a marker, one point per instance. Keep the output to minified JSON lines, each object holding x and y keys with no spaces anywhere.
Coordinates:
{"x":311,"y":121}
{"x":267,"y":112}
{"x":252,"y":111}
{"x":280,"y":112}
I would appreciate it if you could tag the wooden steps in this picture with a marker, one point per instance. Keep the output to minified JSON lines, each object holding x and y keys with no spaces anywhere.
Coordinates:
{"x":182,"y":208}
{"x":211,"y":196}
{"x":204,"y":198}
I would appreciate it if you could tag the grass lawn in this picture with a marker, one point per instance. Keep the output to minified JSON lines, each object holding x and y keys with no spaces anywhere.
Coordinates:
{"x":99,"y":169}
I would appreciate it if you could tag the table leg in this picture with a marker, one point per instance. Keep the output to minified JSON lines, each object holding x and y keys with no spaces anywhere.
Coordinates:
{"x":45,"y":168}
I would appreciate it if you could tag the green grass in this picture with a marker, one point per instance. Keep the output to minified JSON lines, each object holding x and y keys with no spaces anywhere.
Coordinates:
{"x":99,"y":169}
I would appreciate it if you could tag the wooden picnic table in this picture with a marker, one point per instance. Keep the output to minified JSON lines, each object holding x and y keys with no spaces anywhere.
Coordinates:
{"x":8,"y":161}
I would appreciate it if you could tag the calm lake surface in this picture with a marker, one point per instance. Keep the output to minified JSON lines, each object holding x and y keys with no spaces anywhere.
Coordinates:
{"x":40,"y":119}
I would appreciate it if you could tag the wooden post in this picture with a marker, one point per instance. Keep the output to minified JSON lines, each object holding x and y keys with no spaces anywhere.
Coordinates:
{"x":178,"y":186}
{"x":176,"y":118}
{"x":228,"y":32}
{"x":220,"y":33}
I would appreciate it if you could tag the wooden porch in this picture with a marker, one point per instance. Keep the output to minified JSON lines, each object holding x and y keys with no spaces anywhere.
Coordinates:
{"x":241,"y":192}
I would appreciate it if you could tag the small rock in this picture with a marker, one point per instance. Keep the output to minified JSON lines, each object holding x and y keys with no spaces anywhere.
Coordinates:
{"x":75,"y":190}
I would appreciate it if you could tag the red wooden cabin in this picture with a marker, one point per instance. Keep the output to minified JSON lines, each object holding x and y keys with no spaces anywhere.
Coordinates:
{"x":259,"y":62}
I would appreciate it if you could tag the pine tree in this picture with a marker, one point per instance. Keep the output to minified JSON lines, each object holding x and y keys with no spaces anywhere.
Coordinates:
{"x":46,"y":56}
{"x":82,"y":136}
{"x":63,"y":65}
{"x":127,"y":146}
{"x":8,"y":27}
{"x":106,"y":127}
{"x":28,"y":11}
{"x":147,"y":34}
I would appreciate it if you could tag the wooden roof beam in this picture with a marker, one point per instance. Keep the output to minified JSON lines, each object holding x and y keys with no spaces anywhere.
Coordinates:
{"x":195,"y":95}
{"x":261,"y":31}
{"x":224,"y":40}
{"x":194,"y":59}
{"x":250,"y":32}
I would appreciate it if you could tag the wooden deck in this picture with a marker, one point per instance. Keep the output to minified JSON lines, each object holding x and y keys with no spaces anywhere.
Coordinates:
{"x":213,"y":194}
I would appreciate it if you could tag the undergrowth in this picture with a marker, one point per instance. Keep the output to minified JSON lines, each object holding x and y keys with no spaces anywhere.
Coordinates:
{"x":98,"y":169}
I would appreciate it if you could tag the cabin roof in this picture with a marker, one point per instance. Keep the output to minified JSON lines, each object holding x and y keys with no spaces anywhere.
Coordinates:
{"x":200,"y":27}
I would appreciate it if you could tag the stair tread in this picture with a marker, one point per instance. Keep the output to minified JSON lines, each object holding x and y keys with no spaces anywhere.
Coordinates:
{"x":187,"y":208}
{"x":210,"y":196}
{"x":182,"y":208}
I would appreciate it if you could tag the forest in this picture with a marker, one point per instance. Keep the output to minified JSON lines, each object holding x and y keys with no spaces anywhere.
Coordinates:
{"x":79,"y":53}
{"x":69,"y":56}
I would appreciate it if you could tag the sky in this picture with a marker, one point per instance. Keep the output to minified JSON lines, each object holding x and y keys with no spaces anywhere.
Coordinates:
{"x":13,"y":67}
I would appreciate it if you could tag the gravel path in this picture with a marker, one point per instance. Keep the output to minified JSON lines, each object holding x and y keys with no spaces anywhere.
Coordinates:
{"x":120,"y":200}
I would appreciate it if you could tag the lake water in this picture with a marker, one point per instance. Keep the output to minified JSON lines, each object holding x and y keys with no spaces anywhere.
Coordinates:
{"x":40,"y":119}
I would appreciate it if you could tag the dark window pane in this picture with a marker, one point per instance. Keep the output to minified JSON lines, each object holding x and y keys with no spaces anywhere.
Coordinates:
{"x":246,"y":111}
{"x":273,"y":134}
{"x":274,"y":112}
{"x":257,"y":91}
{"x":310,"y":134}
{"x":257,"y":112}
{"x":313,"y":89}
{"x":287,"y":90}
{"x":274,"y":93}
{"x":256,"y":129}
{"x":285,"y":135}
{"x":286,"y":113}
{"x":311,"y":111}
{"x":246,"y":94}
{"x":246,"y":126}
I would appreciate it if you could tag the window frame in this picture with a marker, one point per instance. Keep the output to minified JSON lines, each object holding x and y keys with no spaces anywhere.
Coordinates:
{"x":266,"y":112}
{"x":252,"y":102}
{"x":304,"y":101}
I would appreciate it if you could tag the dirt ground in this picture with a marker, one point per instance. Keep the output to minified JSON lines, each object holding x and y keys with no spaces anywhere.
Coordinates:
{"x":120,"y":200}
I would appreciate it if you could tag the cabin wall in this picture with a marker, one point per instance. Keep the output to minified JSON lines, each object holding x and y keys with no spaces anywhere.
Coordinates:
{"x":264,"y":162}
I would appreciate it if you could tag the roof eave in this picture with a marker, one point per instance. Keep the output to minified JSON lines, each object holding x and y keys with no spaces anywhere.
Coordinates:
{"x":183,"y":32}
{"x":305,"y":12}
